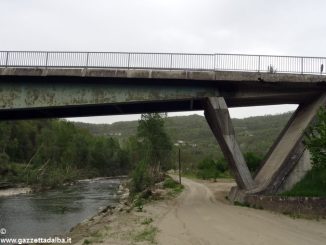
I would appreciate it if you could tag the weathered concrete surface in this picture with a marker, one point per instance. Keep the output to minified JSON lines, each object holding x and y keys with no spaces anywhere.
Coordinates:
{"x":166,"y":74}
{"x":41,"y":92}
{"x":218,"y":118}
{"x":299,"y":171}
{"x":309,"y":207}
{"x":288,"y":150}
{"x":32,"y":95}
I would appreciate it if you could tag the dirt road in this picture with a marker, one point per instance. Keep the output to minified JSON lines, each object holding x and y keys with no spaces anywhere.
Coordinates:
{"x":201,"y":215}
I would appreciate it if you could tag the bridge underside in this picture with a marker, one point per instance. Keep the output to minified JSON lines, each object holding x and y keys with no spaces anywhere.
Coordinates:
{"x":37,"y":93}
{"x":45,"y":93}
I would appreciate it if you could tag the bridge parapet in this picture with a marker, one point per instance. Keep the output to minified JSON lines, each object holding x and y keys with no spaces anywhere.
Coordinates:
{"x":165,"y":61}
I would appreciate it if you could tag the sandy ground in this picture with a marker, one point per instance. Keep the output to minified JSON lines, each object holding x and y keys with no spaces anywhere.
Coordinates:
{"x":14,"y":191}
{"x":200,"y":216}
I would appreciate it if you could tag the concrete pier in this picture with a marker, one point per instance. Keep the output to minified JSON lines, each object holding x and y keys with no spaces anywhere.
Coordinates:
{"x":218,"y":118}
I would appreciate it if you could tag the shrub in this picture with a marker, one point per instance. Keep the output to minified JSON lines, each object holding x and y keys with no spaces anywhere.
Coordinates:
{"x":253,"y":161}
{"x":4,"y":158}
{"x":208,"y":169}
{"x":140,"y":179}
{"x":170,"y":183}
{"x":314,"y":183}
{"x":316,"y":141}
{"x":221,"y":165}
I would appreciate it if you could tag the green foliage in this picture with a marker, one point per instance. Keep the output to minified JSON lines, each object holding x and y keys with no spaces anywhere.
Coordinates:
{"x":155,"y":141}
{"x":207,"y":169}
{"x":254,"y":134}
{"x":253,"y":161}
{"x":147,"y":221}
{"x":52,"y":152}
{"x":148,"y":234}
{"x":170,"y":183}
{"x":4,"y":158}
{"x":86,"y":242}
{"x":241,"y":204}
{"x":221,"y":165}
{"x":211,"y":169}
{"x":174,"y":186}
{"x":5,"y":132}
{"x":312,"y":185}
{"x":152,"y":149}
{"x":316,"y":141}
{"x":139,"y":203}
{"x":140,"y":179}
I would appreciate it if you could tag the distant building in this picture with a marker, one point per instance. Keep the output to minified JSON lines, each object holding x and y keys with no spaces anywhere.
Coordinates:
{"x":180,"y":143}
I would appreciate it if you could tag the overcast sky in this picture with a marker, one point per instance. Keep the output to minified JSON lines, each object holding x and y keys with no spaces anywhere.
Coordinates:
{"x":284,"y":27}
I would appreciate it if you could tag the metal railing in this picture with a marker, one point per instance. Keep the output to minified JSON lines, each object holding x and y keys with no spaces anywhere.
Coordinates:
{"x":167,"y":61}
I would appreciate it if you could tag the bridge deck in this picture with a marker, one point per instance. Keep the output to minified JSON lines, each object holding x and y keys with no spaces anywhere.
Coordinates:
{"x":28,"y":92}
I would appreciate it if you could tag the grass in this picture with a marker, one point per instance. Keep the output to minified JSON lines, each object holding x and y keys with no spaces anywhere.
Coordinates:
{"x":312,"y":185}
{"x":147,"y":221}
{"x":138,"y":203}
{"x":96,"y":237}
{"x":174,"y":186}
{"x":240,"y":204}
{"x":148,"y":234}
{"x":189,"y":175}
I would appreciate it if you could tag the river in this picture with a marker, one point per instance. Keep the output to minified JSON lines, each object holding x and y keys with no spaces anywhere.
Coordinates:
{"x":55,"y":212}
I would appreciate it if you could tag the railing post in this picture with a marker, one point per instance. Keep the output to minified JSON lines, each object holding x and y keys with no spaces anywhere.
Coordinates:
{"x":7,"y":57}
{"x":258,"y":63}
{"x":87,"y":57}
{"x":128,"y":61}
{"x":46,"y":59}
{"x":301,"y":65}
{"x":171,"y":62}
{"x":216,"y":65}
{"x":214,"y":57}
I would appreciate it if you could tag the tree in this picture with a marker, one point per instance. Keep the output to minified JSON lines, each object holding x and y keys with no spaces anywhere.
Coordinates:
{"x":316,"y":141}
{"x":140,"y":178}
{"x":156,"y":144}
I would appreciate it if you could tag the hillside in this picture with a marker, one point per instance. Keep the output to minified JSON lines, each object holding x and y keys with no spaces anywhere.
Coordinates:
{"x":192,"y":133}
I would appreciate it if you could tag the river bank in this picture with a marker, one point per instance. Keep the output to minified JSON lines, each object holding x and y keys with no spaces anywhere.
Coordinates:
{"x":199,"y":215}
{"x":127,"y":223}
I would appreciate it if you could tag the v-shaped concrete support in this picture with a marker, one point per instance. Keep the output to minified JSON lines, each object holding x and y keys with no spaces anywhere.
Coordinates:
{"x":288,"y":148}
{"x":218,"y":118}
{"x":283,"y":156}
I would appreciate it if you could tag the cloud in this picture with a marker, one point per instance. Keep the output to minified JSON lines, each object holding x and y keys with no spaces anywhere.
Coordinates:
{"x":276,"y":27}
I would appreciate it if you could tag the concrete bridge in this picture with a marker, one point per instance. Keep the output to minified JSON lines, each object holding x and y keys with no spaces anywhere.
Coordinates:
{"x":58,"y":84}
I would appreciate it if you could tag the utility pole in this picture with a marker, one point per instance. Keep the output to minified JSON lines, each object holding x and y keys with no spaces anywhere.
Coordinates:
{"x":179,"y":165}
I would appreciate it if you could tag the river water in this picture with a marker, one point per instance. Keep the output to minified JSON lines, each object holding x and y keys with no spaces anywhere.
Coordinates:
{"x":55,"y":212}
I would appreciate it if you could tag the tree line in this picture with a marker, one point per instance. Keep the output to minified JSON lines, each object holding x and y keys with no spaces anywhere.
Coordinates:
{"x":52,"y":152}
